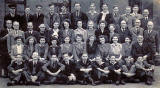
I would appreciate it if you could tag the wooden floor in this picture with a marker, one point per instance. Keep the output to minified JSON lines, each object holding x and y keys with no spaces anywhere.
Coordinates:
{"x":156,"y":84}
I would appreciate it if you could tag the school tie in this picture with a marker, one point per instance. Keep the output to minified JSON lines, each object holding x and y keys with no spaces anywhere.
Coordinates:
{"x":51,"y":21}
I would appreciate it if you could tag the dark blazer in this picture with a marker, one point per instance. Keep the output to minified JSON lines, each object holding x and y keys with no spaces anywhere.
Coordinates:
{"x":53,"y":50}
{"x":135,"y":33}
{"x":47,"y":19}
{"x":34,"y":34}
{"x":109,"y":18}
{"x":152,"y":39}
{"x":9,"y":17}
{"x":82,"y":16}
{"x":98,"y":33}
{"x":42,"y":50}
{"x":24,"y":20}
{"x":3,"y":45}
{"x":91,"y":49}
{"x":34,"y":69}
{"x":69,"y":68}
{"x":37,"y":20}
{"x":123,"y":34}
{"x":138,"y":50}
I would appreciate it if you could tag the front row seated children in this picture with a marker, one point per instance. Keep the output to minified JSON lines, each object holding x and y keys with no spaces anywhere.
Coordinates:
{"x":35,"y":72}
{"x":144,"y":70}
{"x":68,"y":74}
{"x":115,"y":69}
{"x":18,"y":72}
{"x":53,"y":69}
{"x":100,"y":70}
{"x":129,"y":70}
{"x":84,"y":70}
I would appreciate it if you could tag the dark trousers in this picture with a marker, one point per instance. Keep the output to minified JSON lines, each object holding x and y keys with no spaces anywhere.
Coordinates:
{"x":114,"y":76}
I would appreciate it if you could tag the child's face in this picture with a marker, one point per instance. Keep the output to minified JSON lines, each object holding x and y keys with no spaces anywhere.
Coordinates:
{"x":54,"y":42}
{"x":9,"y":24}
{"x":66,"y":57}
{"x":79,"y":24}
{"x":42,"y":41}
{"x":31,"y":41}
{"x":127,"y":40}
{"x":91,"y":38}
{"x":90,"y":25}
{"x":19,"y":41}
{"x":56,"y":25}
{"x":102,"y":25}
{"x":54,"y":58}
{"x":115,"y":39}
{"x":66,"y":24}
{"x":42,"y":28}
{"x":102,"y":40}
{"x":116,"y":9}
{"x":140,"y":59}
{"x":67,"y":40}
{"x":111,"y":28}
{"x":112,"y":59}
{"x":79,"y":39}
{"x":39,"y":9}
{"x":35,"y":56}
{"x":84,"y":57}
{"x":98,"y":59}
{"x":19,"y":58}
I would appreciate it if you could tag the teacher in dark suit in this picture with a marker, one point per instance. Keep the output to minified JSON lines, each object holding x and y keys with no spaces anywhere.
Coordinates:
{"x":78,"y":15}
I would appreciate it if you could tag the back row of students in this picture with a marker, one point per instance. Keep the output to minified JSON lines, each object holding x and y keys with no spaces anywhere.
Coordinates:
{"x":104,"y":36}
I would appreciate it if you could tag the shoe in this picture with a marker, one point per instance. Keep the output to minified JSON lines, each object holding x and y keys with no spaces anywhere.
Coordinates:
{"x":97,"y":82}
{"x":117,"y":82}
{"x":123,"y":82}
{"x":149,"y":83}
{"x":36,"y":83}
{"x":136,"y":80}
{"x":10,"y":84}
{"x":93,"y":84}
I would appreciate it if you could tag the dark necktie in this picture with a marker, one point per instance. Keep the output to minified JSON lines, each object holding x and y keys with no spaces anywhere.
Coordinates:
{"x":51,"y":21}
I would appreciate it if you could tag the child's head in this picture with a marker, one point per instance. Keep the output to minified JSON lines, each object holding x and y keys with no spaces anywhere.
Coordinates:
{"x":66,"y":24}
{"x":42,"y":40}
{"x":67,"y":39}
{"x":102,"y":39}
{"x":19,"y":58}
{"x":92,"y":38}
{"x":54,"y":58}
{"x":127,"y":40}
{"x":98,"y":59}
{"x":9,"y":23}
{"x":102,"y":24}
{"x":66,"y":57}
{"x":84,"y":56}
{"x":56,"y":25}
{"x":42,"y":27}
{"x":112,"y":59}
{"x":111,"y":27}
{"x":115,"y":39}
{"x":18,"y":40}
{"x":79,"y":38}
{"x":79,"y":23}
{"x":54,"y":41}
{"x":90,"y":24}
{"x":35,"y":56}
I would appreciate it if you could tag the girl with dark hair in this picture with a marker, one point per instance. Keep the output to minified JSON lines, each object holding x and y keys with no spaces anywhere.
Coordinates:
{"x":30,"y":46}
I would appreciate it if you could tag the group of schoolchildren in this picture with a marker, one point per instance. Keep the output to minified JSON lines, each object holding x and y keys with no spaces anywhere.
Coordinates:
{"x":64,"y":48}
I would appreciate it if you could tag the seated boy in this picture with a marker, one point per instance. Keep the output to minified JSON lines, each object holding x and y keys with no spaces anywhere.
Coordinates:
{"x":35,"y":69}
{"x":128,"y":70}
{"x":69,"y":72}
{"x":144,"y":71}
{"x":115,"y":70}
{"x":84,"y":68}
{"x":17,"y":72}
{"x":100,"y":70}
{"x":53,"y":69}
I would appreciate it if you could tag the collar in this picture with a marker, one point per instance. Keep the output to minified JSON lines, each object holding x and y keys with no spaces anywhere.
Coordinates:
{"x":113,"y":44}
{"x":105,"y":12}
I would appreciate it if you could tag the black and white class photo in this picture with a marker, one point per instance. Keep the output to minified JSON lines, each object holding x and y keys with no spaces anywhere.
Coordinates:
{"x":80,"y":43}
